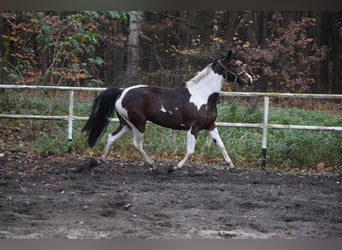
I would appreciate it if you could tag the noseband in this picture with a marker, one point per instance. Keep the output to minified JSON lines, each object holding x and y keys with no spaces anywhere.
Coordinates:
{"x":226,"y":71}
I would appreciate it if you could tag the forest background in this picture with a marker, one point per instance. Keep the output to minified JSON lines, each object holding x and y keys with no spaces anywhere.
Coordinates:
{"x":284,"y":51}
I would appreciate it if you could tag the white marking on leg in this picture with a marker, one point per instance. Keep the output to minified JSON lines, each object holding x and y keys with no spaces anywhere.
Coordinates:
{"x":214,"y":134}
{"x":190,"y":148}
{"x":112,"y":138}
{"x":138,"y":140}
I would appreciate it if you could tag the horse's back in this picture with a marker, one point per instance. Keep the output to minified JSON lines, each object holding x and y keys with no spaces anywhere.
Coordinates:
{"x":142,"y":96}
{"x":162,"y":106}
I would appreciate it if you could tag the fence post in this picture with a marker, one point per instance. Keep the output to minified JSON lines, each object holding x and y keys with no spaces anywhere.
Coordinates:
{"x":71,"y":115}
{"x":264,"y":132}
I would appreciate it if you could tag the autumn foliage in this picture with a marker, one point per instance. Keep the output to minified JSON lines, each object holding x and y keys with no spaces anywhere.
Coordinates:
{"x":290,"y":60}
{"x":285,"y":52}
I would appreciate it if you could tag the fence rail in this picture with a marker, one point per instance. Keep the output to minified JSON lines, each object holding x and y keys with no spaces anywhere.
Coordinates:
{"x":70,"y":117}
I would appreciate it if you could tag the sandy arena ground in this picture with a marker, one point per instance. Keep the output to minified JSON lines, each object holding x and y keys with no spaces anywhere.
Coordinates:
{"x":72,"y":198}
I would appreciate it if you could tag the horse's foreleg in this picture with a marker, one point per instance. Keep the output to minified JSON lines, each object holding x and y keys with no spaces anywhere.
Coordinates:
{"x":138,"y":139}
{"x":214,"y":134}
{"x":120,"y":132}
{"x":190,"y":148}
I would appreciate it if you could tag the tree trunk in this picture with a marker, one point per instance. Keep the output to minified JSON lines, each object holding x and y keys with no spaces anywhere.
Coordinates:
{"x":264,"y":18}
{"x":251,"y":23}
{"x":205,"y":29}
{"x":133,"y":54}
{"x":230,"y":21}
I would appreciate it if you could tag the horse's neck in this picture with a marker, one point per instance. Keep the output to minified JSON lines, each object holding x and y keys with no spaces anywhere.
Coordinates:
{"x":207,"y":85}
{"x":202,"y":90}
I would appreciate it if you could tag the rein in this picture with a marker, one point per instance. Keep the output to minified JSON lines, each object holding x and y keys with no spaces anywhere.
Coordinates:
{"x":226,"y":71}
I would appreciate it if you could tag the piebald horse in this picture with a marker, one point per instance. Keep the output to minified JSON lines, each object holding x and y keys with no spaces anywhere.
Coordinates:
{"x":190,"y":107}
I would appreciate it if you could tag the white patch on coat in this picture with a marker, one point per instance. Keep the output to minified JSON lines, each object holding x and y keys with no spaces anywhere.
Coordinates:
{"x":118,"y":105}
{"x":204,"y":84}
{"x":162,"y":109}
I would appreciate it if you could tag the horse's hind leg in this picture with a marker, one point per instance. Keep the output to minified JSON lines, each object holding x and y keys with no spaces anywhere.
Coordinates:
{"x":214,"y":134}
{"x":138,"y":140}
{"x":120,"y":132}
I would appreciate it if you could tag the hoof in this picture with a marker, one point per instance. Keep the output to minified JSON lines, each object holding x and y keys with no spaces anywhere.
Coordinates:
{"x":170,"y":169}
{"x":86,"y":167}
{"x":93,"y":163}
{"x":154,"y":170}
{"x":232,"y":169}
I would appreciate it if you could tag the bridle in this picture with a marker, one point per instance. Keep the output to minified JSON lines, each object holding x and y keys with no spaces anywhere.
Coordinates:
{"x":226,"y":71}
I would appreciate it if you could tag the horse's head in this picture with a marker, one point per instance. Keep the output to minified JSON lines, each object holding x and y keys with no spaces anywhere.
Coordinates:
{"x":231,"y":70}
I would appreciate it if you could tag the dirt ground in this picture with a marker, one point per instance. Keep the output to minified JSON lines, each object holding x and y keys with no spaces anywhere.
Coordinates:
{"x":50,"y":197}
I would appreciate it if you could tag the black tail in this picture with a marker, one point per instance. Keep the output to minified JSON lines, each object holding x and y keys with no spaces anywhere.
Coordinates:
{"x":103,"y":109}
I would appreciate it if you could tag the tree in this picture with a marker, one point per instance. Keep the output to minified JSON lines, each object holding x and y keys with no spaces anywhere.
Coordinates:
{"x":291,"y":58}
{"x":52,"y":47}
{"x":284,"y":51}
{"x":133,"y":45}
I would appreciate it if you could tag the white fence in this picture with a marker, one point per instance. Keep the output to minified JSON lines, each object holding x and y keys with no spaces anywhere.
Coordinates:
{"x":70,"y":117}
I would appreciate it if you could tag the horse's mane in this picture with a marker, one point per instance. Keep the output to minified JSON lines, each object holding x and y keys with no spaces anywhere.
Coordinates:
{"x":199,"y":75}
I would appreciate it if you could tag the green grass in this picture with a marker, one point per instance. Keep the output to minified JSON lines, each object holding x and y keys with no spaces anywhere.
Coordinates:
{"x":286,"y":148}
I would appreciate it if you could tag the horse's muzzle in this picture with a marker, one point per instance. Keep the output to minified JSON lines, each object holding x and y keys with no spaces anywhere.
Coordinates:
{"x":245,"y":79}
